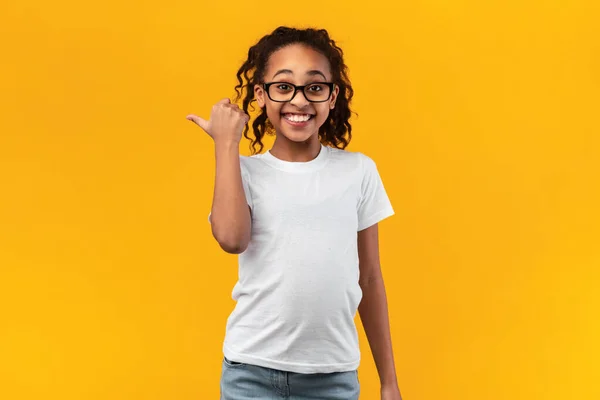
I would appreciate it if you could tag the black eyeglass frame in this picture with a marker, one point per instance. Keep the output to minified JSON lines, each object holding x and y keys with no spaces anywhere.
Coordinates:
{"x":331,"y":86}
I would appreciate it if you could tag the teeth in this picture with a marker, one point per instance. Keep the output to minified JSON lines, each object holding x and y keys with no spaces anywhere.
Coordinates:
{"x":297,"y":118}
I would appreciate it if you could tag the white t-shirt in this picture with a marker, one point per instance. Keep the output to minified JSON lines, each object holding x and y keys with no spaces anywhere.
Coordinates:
{"x":298,"y":292}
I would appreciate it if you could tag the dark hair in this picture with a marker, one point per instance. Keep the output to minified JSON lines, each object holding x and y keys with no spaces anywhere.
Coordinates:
{"x":336,"y":131}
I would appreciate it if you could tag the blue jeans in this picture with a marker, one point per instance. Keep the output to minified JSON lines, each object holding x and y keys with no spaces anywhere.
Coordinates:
{"x":245,"y":381}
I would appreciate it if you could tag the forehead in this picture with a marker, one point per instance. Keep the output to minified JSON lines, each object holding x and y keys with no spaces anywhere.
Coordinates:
{"x":299,"y":59}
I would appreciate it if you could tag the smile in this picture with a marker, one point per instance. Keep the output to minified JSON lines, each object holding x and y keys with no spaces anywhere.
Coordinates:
{"x":297,"y":117}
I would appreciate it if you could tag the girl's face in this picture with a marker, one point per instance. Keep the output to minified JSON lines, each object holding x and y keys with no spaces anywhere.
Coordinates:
{"x":299,"y":65}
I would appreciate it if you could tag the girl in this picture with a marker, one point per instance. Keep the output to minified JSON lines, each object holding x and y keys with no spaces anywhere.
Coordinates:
{"x":303,"y":218}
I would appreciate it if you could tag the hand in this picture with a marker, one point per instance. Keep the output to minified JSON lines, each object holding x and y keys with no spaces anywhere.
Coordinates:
{"x":390,"y":392}
{"x":226,"y":122}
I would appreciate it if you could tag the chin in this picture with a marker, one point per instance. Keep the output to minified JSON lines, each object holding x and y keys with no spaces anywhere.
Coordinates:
{"x":298,"y":137}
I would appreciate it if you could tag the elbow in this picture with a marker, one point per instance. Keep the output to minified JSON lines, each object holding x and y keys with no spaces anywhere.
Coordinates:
{"x":234,"y":247}
{"x":232,"y":243}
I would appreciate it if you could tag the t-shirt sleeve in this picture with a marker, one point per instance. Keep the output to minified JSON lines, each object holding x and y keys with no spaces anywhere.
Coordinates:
{"x":245,"y":184}
{"x":374,"y":204}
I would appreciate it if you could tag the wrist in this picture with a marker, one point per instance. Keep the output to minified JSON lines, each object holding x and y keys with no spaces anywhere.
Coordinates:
{"x":227,"y":144}
{"x":389,"y":381}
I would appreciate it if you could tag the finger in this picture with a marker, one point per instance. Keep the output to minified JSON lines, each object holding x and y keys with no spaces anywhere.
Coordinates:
{"x":202,"y":123}
{"x":241,"y":112}
{"x":224,"y":101}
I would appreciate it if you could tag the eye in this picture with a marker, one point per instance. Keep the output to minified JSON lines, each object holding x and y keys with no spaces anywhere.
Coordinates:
{"x":283,"y":87}
{"x":315,"y":88}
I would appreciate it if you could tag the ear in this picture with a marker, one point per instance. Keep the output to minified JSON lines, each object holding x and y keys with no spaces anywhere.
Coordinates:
{"x":259,"y":95}
{"x":334,"y":95}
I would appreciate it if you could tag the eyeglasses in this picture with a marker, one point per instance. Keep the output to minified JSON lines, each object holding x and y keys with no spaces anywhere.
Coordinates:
{"x":316,"y":92}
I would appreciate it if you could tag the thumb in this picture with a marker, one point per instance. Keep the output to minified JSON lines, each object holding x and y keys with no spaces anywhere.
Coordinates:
{"x":202,"y":123}
{"x":224,"y":101}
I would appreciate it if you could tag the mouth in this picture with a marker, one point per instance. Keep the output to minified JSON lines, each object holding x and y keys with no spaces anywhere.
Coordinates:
{"x":297,"y":119}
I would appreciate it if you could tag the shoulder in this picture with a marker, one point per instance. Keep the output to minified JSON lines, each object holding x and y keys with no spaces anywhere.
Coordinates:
{"x":357,"y":159}
{"x":250,"y":163}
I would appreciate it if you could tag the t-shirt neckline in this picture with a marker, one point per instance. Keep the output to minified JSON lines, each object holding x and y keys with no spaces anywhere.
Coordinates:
{"x":298,"y":166}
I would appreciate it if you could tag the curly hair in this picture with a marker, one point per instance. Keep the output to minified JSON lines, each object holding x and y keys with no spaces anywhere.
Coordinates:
{"x":336,"y":131}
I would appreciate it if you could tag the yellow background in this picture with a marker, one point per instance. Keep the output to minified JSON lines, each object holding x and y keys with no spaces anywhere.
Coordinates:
{"x":483,"y":120}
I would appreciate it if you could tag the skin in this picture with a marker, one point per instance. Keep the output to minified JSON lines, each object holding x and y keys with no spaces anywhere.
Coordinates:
{"x":230,"y":219}
{"x":294,"y":143}
{"x":301,"y":145}
{"x":373,"y":311}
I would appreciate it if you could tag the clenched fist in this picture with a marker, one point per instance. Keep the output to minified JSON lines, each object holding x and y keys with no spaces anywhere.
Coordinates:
{"x":226,"y":122}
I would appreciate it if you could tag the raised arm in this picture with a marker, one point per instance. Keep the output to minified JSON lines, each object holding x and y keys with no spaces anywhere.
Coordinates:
{"x":230,"y":214}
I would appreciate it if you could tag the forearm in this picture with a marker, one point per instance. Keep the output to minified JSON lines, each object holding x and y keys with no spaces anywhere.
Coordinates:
{"x":373,"y":311}
{"x":230,"y":215}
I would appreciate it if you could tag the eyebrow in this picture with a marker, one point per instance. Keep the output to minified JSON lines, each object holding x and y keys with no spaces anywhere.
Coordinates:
{"x":312,"y":72}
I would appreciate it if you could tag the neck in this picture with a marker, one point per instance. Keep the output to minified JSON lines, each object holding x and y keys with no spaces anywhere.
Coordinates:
{"x":288,"y":150}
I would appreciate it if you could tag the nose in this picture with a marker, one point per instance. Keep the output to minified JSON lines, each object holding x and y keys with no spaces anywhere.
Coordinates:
{"x":299,"y":99}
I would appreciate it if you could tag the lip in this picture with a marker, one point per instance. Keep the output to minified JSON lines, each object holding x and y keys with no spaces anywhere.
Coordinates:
{"x":297,"y":113}
{"x":298,"y":124}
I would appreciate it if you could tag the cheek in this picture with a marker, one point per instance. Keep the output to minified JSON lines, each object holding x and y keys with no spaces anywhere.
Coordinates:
{"x":323,"y":112}
{"x":273,"y":112}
